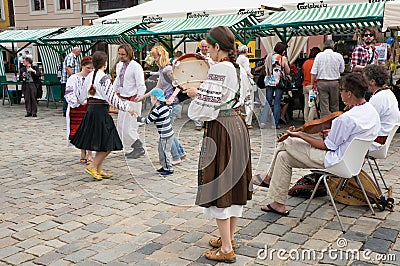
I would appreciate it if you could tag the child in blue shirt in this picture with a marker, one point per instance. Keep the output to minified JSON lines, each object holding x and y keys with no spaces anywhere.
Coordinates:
{"x":161,"y":116}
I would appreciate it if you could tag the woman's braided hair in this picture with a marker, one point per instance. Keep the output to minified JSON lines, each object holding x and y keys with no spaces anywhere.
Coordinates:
{"x":99,"y":59}
{"x":226,"y":41}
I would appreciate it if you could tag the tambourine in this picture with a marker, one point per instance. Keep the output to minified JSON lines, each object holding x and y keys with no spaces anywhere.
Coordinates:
{"x":189,"y":71}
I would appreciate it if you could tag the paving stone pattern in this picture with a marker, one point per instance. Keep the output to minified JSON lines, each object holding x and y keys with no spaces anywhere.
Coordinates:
{"x":53,"y":213}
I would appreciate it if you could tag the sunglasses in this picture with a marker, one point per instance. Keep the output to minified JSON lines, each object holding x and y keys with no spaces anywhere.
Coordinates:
{"x":368,"y":35}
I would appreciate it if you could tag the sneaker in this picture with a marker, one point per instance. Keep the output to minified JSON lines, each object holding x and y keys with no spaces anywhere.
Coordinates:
{"x":34,"y":115}
{"x":28,"y":115}
{"x":161,"y":170}
{"x":176,"y":162}
{"x":167,"y":173}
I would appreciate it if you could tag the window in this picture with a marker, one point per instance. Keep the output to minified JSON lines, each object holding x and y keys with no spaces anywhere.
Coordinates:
{"x":64,"y":5}
{"x":38,"y":5}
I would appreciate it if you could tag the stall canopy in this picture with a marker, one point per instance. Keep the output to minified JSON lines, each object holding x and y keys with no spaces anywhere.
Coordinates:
{"x":161,"y":10}
{"x":320,"y":21}
{"x":196,"y":28}
{"x":91,"y":35}
{"x":26,"y":36}
{"x":391,"y":18}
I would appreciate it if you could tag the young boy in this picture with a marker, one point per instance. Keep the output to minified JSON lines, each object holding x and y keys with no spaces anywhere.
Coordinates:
{"x":161,"y":116}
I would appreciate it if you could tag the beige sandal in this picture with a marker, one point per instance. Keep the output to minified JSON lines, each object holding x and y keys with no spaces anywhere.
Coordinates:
{"x":217,"y":243}
{"x":218,"y":255}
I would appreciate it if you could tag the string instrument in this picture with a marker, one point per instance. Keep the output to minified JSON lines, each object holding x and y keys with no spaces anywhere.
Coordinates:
{"x":189,"y":70}
{"x":314,"y":126}
{"x":351,"y":194}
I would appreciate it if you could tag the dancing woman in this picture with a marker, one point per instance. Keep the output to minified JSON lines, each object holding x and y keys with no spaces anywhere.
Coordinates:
{"x":97,"y":131}
{"x":224,"y":181}
{"x":75,"y":110}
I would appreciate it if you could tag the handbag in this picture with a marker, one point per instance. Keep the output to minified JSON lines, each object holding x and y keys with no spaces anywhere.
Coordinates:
{"x":285,"y":81}
{"x":304,"y":187}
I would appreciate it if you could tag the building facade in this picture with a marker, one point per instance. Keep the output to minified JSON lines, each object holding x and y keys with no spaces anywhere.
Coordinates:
{"x":6,"y":14}
{"x":40,"y":14}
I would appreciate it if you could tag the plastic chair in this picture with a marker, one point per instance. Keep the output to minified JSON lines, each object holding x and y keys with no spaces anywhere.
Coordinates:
{"x":381,"y":153}
{"x":350,"y":166}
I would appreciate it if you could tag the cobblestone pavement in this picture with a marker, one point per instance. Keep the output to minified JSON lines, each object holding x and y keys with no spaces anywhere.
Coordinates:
{"x":53,"y":213}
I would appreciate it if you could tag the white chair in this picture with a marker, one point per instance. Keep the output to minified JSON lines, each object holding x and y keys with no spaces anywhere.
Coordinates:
{"x":349,"y":166}
{"x":381,"y":153}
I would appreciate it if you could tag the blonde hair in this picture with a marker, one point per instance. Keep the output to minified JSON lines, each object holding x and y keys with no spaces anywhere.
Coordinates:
{"x":162,"y":53}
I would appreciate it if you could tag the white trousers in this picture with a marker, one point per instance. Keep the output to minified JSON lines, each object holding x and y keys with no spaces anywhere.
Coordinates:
{"x":128,"y":126}
{"x":289,"y":154}
{"x":249,"y":108}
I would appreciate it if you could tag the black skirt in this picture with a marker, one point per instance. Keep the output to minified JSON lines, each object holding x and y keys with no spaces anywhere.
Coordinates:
{"x":97,"y":131}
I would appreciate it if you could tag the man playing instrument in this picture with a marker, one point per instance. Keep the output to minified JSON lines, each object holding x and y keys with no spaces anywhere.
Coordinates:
{"x":129,"y":84}
{"x":303,"y":151}
{"x":384,"y":101}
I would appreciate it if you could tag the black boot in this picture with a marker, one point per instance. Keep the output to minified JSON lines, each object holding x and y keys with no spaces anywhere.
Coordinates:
{"x":136,"y":153}
{"x":138,"y":150}
{"x":137,"y":144}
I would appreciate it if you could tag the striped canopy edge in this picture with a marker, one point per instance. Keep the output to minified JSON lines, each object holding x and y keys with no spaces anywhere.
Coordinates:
{"x":315,"y":21}
{"x":27,"y":35}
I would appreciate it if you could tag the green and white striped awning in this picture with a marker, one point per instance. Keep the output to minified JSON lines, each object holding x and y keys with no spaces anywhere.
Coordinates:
{"x":109,"y":33}
{"x":27,"y":35}
{"x":51,"y":58}
{"x":195,"y":28}
{"x":328,"y":20}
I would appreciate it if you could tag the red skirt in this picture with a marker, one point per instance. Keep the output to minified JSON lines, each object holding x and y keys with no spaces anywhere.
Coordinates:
{"x":76,"y":116}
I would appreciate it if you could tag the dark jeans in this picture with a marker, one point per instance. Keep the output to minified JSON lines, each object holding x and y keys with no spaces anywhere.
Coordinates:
{"x":277,"y":105}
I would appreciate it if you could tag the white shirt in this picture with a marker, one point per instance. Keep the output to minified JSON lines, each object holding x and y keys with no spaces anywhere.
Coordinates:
{"x":220,"y":86}
{"x":133,"y":80}
{"x":359,"y":122}
{"x":328,"y":65}
{"x":386,"y":105}
{"x":244,"y":62}
{"x":208,"y":58}
{"x":104,"y":91}
{"x":73,"y":90}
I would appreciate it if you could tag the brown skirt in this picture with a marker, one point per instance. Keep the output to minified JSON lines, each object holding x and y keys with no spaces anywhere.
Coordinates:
{"x":225,"y":164}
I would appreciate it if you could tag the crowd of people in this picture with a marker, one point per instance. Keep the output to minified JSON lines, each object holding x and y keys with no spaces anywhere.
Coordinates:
{"x":223,"y":107}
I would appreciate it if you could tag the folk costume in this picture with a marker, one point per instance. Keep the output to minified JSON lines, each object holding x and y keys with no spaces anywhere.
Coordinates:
{"x":75,"y":110}
{"x":129,"y":84}
{"x":97,"y":131}
{"x":224,"y":178}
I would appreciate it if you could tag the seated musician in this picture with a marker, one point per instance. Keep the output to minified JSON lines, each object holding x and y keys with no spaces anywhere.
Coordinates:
{"x":303,"y":151}
{"x":384,"y":101}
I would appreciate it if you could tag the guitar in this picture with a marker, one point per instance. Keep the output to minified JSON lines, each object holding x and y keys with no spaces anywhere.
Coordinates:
{"x":314,"y":126}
